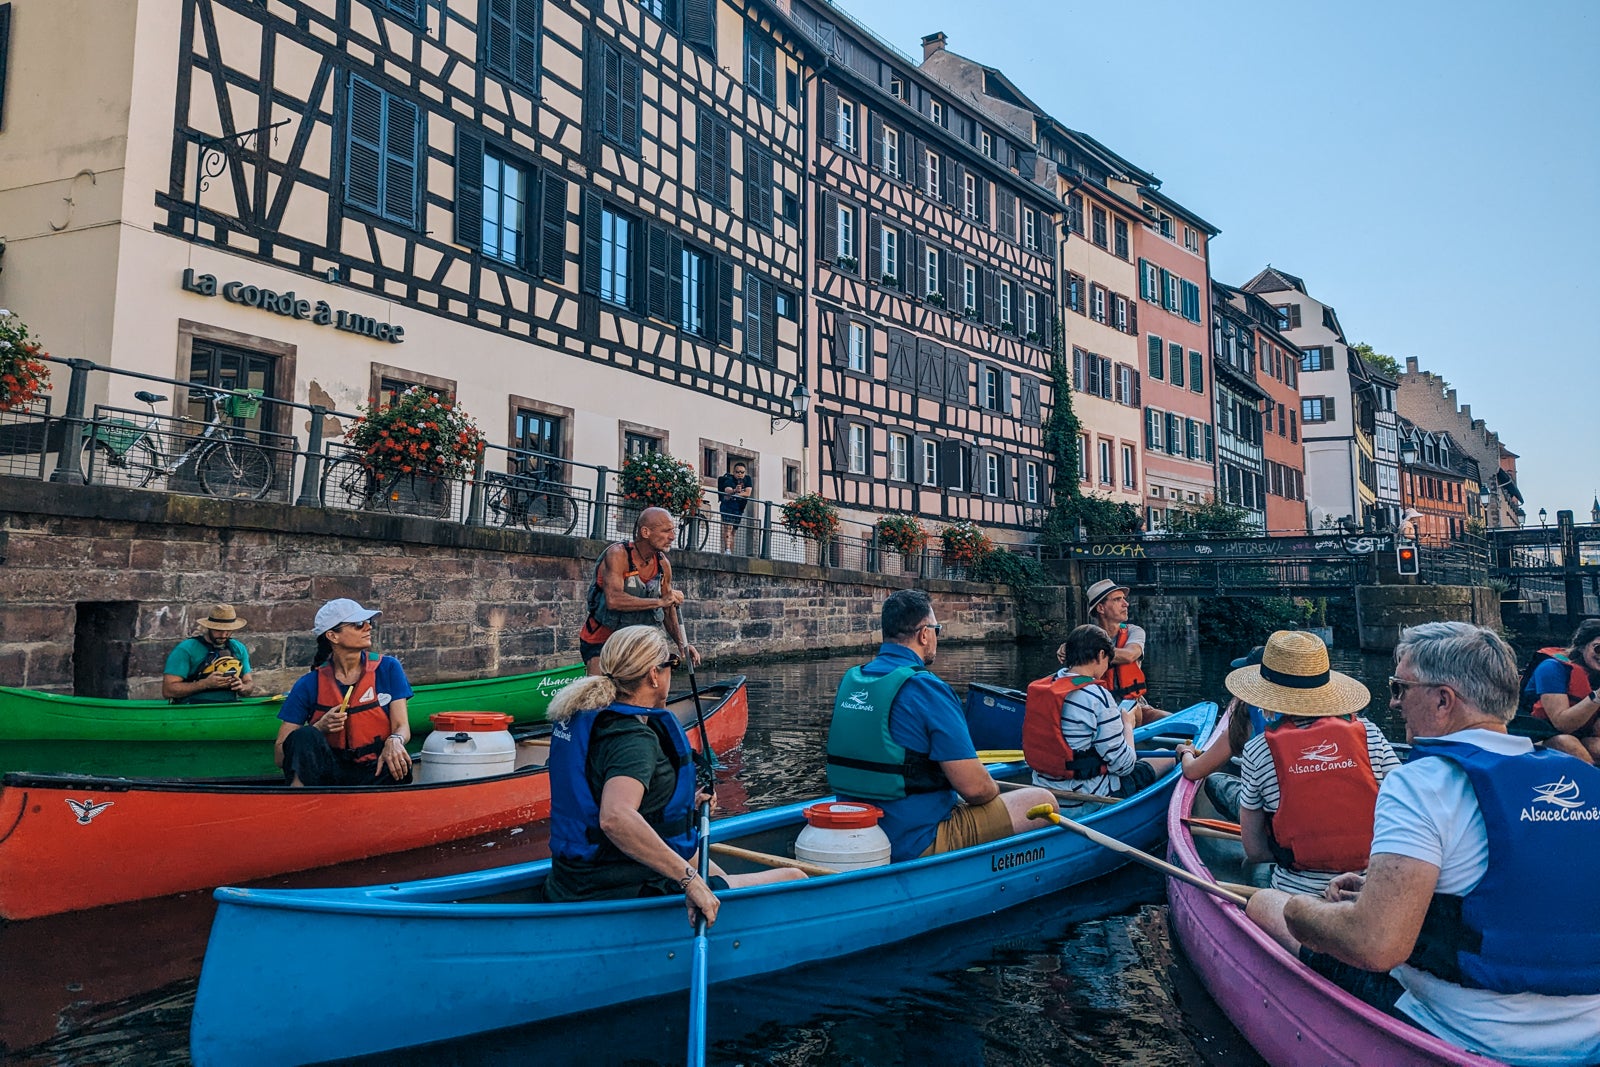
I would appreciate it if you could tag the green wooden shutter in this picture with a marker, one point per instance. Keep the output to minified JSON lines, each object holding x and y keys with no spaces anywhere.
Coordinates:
{"x":469,"y":188}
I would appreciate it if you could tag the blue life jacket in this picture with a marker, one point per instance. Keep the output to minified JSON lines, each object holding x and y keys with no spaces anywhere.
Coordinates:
{"x":575,"y":833}
{"x":1529,"y":925}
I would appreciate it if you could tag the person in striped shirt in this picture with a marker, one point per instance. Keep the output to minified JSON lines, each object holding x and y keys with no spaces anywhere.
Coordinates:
{"x":1311,"y":780}
{"x":1092,"y":723}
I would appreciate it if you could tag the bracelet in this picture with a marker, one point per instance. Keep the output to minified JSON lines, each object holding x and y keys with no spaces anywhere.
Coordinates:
{"x":395,"y":737}
{"x":689,"y":875}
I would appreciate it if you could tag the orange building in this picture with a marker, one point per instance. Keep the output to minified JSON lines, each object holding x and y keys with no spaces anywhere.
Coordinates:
{"x":1438,"y":480}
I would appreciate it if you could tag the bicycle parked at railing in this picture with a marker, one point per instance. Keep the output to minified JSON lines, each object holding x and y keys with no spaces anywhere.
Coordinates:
{"x":226,"y":463}
{"x":534,"y":500}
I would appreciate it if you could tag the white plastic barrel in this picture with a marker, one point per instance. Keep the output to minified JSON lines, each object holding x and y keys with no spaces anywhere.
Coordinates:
{"x":466,"y":745}
{"x":843,"y":835}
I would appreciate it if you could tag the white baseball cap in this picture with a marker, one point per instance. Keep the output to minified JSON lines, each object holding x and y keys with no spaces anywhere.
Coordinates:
{"x":337,"y":612}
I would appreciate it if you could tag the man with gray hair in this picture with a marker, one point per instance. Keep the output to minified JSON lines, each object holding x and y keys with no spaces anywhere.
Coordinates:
{"x":1503,"y":958}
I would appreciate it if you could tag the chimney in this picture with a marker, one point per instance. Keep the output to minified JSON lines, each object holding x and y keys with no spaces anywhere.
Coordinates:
{"x":1466,"y":412}
{"x":932,"y":43}
{"x":1411,"y":364}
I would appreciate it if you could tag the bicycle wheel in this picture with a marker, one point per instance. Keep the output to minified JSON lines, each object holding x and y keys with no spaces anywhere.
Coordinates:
{"x":235,"y":468}
{"x":693,"y":532}
{"x":97,"y":465}
{"x":346,"y":484}
{"x":552,"y":513}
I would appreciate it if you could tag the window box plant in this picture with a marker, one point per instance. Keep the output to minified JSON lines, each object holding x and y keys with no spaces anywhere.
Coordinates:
{"x":813,"y":517}
{"x":902,"y":533}
{"x":421,"y":433}
{"x":1008,"y":327}
{"x":657,"y":480}
{"x":846,"y":263}
{"x":23,"y":372}
{"x":964,"y":544}
{"x":890,"y":280}
{"x":970,"y":312}
{"x":936,"y":298}
{"x":1033,"y":335}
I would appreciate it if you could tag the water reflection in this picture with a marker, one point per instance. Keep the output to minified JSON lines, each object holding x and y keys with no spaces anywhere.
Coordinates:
{"x":1086,"y":976}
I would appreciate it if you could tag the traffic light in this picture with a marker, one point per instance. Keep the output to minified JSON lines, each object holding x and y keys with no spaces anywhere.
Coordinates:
{"x":1405,"y":558}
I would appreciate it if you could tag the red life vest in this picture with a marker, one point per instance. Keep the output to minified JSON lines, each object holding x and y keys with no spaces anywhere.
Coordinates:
{"x":1042,"y":744}
{"x":1124,"y":679}
{"x":367,"y":726}
{"x":1326,"y":793}
{"x":1578,"y":684}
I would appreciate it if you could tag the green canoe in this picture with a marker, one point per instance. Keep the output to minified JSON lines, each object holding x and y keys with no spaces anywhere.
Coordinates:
{"x":45,"y":732}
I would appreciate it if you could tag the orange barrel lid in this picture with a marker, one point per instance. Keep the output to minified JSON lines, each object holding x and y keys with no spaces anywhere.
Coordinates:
{"x":472,"y":721}
{"x":843,"y":815}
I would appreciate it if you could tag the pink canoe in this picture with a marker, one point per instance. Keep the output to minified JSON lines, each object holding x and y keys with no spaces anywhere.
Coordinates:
{"x":1291,"y":1014}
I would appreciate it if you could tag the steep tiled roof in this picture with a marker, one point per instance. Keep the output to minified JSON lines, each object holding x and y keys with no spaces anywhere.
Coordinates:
{"x":1273,"y":280}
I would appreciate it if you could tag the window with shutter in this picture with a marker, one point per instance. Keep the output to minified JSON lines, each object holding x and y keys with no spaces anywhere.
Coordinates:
{"x":615,"y":254}
{"x":1174,"y":434}
{"x":760,"y":64}
{"x":553,"y":227}
{"x":1029,"y":401}
{"x":958,"y":381}
{"x":1175,"y":363}
{"x":694,"y":286}
{"x":1197,"y":373}
{"x":1152,"y":429}
{"x":382,"y":140}
{"x":724,"y":325}
{"x":1211,"y":447}
{"x":504,"y":204}
{"x":469,"y":187}
{"x":930,"y":369}
{"x":753,"y":324}
{"x":758,"y":186}
{"x":713,"y":146}
{"x":510,"y":40}
{"x":700,"y":26}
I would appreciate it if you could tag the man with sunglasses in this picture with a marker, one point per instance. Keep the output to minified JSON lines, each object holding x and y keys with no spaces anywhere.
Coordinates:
{"x":899,"y":740}
{"x":1500,"y":959}
{"x":345,"y":722}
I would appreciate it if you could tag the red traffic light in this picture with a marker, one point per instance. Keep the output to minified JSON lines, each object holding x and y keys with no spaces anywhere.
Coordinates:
{"x":1405,"y":557}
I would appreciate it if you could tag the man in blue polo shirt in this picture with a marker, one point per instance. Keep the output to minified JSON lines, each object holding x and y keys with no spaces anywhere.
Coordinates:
{"x":899,"y":740}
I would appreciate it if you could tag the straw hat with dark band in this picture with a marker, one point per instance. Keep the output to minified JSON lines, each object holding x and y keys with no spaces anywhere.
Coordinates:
{"x":222,"y":617}
{"x":1293,"y":678}
{"x":1100,"y":590}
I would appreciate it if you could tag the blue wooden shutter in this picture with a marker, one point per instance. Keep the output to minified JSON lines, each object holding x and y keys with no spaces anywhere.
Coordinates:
{"x":1197,"y":373}
{"x":1175,"y":363}
{"x":723,"y":272}
{"x":553,"y":227}
{"x":1157,"y":370}
{"x":630,"y":95}
{"x":525,"y":44}
{"x":401,"y":138}
{"x":656,"y":285}
{"x":363,"y":178}
{"x":469,"y":188}
{"x":591,"y":242}
{"x":700,"y":26}
{"x":497,"y":36}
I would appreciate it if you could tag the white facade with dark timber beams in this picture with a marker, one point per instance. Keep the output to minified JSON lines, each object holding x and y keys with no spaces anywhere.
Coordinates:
{"x":584,"y":220}
{"x":933,"y":293}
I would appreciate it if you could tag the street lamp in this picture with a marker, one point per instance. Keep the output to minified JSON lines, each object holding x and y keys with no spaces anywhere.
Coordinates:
{"x":1542,"y":514}
{"x":799,"y":404}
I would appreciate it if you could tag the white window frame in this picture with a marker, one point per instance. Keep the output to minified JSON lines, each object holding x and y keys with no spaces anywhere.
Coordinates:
{"x":1030,"y":312}
{"x":1120,"y":318}
{"x":891,"y":151}
{"x":505,"y":210}
{"x":847,"y":232}
{"x":991,"y":474}
{"x":1030,"y":229}
{"x":1152,"y":281}
{"x":930,"y":462}
{"x":986,"y":143}
{"x":899,"y":454}
{"x":616,"y":234}
{"x":846,"y":133}
{"x":1031,"y":481}
{"x":931,"y":281}
{"x":856,"y":448}
{"x":1129,"y":479}
{"x":933,"y":166}
{"x":991,"y":388}
{"x":936,"y":111}
{"x":856,"y":347}
{"x":969,"y":286}
{"x":1097,"y":303}
{"x":889,"y":251}
{"x":1174,"y":293}
{"x":1083,"y":457}
{"x":1005,"y":303}
{"x":969,"y":195}
{"x":1107,"y":475}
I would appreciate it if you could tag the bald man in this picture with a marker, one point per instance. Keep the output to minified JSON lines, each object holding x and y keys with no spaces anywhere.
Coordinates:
{"x":633,"y":587}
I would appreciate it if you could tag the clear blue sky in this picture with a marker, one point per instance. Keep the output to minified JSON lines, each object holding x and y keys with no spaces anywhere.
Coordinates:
{"x":1430,"y":169}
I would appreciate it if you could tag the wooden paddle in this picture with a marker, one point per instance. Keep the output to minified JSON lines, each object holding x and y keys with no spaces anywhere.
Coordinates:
{"x":1043,"y":812}
{"x":767,"y":859}
{"x":1064,"y":794}
{"x":1221,"y":826}
{"x":1014,"y":755}
{"x":700,"y":974}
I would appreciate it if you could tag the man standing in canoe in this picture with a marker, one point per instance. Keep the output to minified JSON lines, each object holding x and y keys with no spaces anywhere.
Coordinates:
{"x":211,"y":668}
{"x":633,"y":587}
{"x":899,"y":740}
{"x":1500,"y":958}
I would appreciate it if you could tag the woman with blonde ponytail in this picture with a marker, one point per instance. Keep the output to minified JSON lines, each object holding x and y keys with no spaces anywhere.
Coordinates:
{"x":622,"y":785}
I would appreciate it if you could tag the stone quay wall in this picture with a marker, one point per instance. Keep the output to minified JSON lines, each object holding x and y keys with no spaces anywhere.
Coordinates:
{"x":97,"y":584}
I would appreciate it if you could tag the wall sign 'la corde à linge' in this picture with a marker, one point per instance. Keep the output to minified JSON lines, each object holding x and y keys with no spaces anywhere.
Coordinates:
{"x":292,"y":306}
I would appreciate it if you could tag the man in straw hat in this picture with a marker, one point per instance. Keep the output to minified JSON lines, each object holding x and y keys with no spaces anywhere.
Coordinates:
{"x":1495,"y":958}
{"x":212,"y":667}
{"x":1310,"y":780}
{"x":1108,"y":609}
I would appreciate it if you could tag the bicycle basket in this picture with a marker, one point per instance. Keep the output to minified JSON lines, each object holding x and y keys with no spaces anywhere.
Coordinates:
{"x":242,"y":404}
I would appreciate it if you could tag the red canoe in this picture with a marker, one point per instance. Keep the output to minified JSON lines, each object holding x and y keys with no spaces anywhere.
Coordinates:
{"x":1291,"y":1014}
{"x":70,"y":841}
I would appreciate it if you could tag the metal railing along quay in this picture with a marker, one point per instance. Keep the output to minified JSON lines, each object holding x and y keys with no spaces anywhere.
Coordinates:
{"x":232,"y":441}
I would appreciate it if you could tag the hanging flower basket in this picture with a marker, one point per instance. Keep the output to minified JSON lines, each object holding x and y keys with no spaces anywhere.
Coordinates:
{"x":811,"y":515}
{"x":902,"y":533}
{"x":964,"y":544}
{"x":24,"y":374}
{"x":421,"y":433}
{"x":656,"y":480}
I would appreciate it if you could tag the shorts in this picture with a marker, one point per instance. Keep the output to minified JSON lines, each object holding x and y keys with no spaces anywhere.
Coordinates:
{"x":967,"y":825}
{"x":588,"y":650}
{"x":1141,"y":775}
{"x":1378,"y":989}
{"x":733,"y":514}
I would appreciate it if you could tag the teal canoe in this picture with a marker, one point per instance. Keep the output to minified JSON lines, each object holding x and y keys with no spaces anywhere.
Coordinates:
{"x":46,"y":732}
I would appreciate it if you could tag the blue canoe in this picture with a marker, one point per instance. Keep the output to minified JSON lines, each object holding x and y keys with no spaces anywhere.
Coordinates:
{"x":994,"y":716}
{"x":482,"y":955}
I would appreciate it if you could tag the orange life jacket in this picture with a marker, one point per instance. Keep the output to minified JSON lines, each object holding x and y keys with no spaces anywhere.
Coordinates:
{"x":367,"y":726}
{"x":1578,"y":684}
{"x":1124,"y":679}
{"x":1042,"y":744}
{"x":1326,"y":793}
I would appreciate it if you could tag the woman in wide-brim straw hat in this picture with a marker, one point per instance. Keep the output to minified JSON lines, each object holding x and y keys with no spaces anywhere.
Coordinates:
{"x":1311,"y":780}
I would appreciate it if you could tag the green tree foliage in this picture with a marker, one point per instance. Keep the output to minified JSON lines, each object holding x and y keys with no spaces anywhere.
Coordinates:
{"x":1100,"y":516}
{"x":1387,"y":364}
{"x":1237,"y":624}
{"x":1211,"y":519}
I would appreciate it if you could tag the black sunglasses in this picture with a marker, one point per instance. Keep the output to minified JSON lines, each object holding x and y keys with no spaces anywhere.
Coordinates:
{"x":1398,"y":686}
{"x":672,"y":662}
{"x":936,"y":627}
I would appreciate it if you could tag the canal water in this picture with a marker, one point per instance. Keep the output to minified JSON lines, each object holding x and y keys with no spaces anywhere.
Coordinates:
{"x":1086,"y":976}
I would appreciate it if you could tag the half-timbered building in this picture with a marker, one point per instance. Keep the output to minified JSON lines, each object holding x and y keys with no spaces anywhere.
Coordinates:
{"x":933,"y":291}
{"x":1278,"y":375}
{"x":585,"y":220}
{"x":1241,"y":405}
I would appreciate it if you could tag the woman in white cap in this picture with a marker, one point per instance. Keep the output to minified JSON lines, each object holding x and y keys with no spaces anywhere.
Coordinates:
{"x":1311,"y":780}
{"x":345,"y":722}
